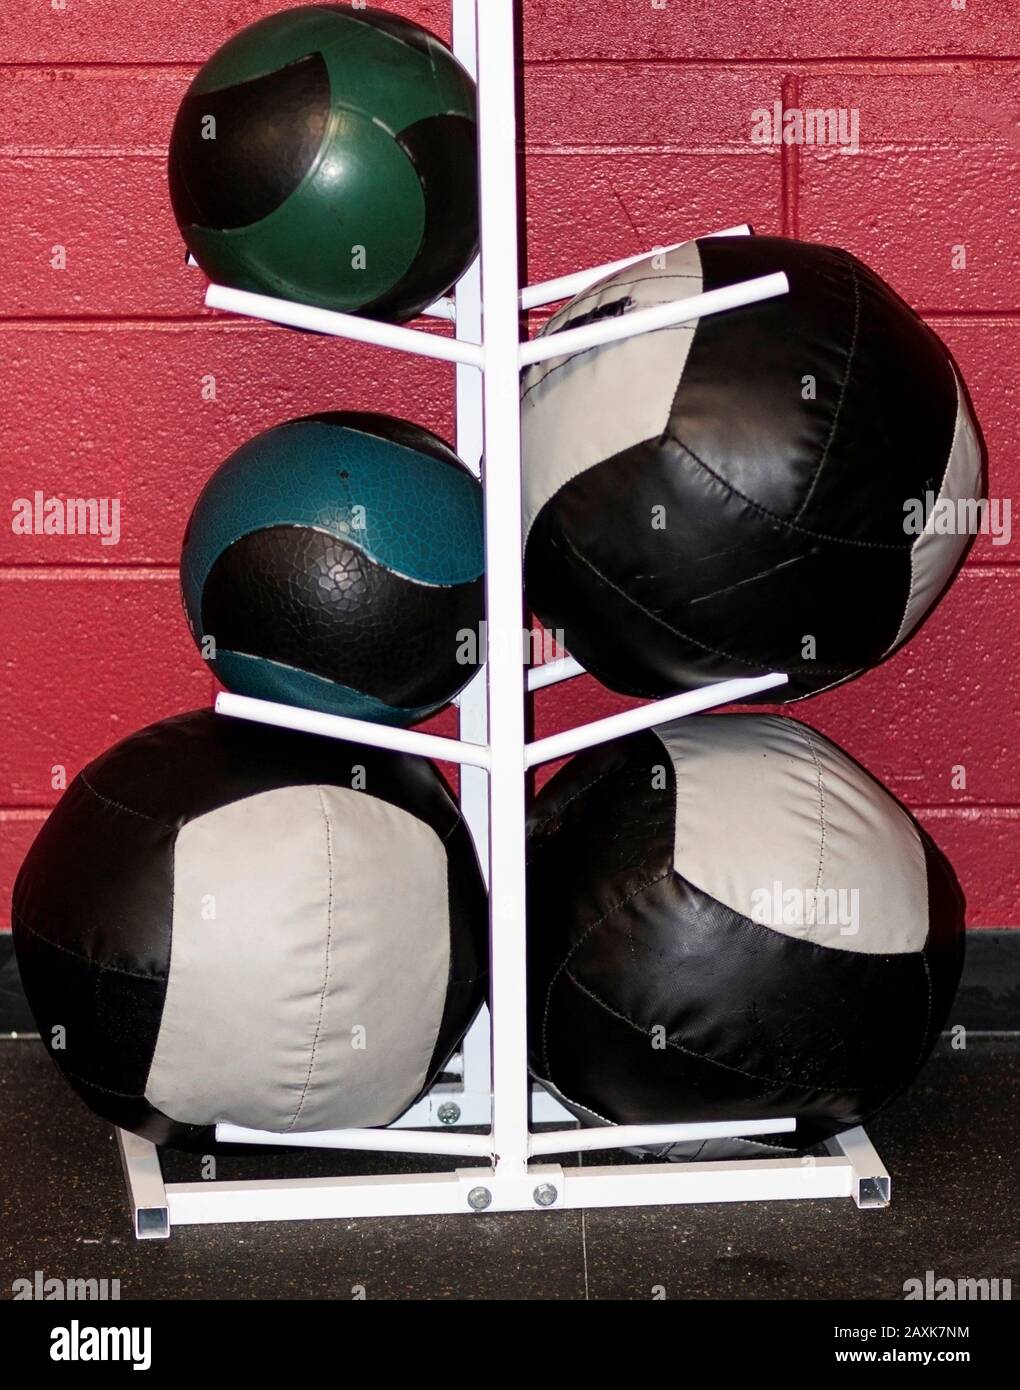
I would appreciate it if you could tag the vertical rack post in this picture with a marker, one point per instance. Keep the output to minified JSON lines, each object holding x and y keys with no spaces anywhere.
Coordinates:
{"x":473,"y":726}
{"x":497,"y":136}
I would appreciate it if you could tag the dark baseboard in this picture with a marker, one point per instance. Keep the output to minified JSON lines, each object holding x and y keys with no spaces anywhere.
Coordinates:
{"x":988,"y":999}
{"x":14,"y":1012}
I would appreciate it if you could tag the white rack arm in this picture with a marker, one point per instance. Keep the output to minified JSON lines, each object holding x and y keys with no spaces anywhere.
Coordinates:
{"x":552,"y":672}
{"x":442,"y":308}
{"x":307,"y":316}
{"x":566,"y":286}
{"x":631,"y":721}
{"x":455,"y":1143}
{"x":697,"y":306}
{"x":417,"y":1141}
{"x":311,"y":721}
{"x":561,"y":1141}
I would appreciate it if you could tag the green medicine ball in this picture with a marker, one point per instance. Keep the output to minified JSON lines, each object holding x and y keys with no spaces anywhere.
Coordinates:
{"x":328,"y":155}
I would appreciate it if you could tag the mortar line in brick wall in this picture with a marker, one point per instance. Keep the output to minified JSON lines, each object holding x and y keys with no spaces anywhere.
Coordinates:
{"x":916,"y":66}
{"x":917,"y":63}
{"x":114,"y":69}
{"x":170,"y":323}
{"x":42,"y":322}
{"x":123,"y":572}
{"x":83,"y":152}
{"x":738,"y":146}
{"x":733,"y":148}
{"x":974,"y":315}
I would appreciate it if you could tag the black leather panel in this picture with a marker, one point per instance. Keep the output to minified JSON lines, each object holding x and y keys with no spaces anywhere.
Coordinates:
{"x":99,"y":877}
{"x":308,"y":599}
{"x":110,"y":1018}
{"x":599,"y":833}
{"x":757,"y":1024}
{"x":268,"y":133}
{"x":947,"y":911}
{"x":469,"y":947}
{"x":880,"y":428}
{"x":444,"y":153}
{"x":184,"y":767}
{"x":721,"y":590}
{"x":110,"y":1013}
{"x":623,"y":1080}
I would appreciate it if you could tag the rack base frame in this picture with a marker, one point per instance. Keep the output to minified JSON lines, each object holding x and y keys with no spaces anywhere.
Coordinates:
{"x":487,"y":1083}
{"x":851,"y":1169}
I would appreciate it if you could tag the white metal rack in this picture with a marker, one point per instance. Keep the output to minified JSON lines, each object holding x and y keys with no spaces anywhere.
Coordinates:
{"x":488,"y":1086}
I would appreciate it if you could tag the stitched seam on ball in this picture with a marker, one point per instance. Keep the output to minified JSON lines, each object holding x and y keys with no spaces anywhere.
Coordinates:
{"x":85,"y":960}
{"x":107,"y":1090}
{"x":119,"y":807}
{"x":329,"y":957}
{"x":927,"y":1021}
{"x":806,"y":735}
{"x":772,"y":516}
{"x":713,"y":1061}
{"x":576,"y":946}
{"x":806,"y":668}
{"x":842,"y":394}
{"x":538,"y":825}
{"x":756,"y":1144}
{"x":579,"y":1104}
{"x":833,"y":685}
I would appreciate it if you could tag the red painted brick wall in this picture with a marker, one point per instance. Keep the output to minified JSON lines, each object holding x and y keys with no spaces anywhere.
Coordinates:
{"x":637,"y":124}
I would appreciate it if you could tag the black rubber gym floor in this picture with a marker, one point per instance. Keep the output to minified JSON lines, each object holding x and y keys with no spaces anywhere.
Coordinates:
{"x":951,"y":1145}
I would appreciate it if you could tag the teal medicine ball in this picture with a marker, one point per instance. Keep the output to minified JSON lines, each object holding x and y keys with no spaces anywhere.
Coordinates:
{"x":336,"y":562}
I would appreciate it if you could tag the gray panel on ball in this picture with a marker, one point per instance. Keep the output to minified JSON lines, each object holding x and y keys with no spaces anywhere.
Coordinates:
{"x":329,"y":915}
{"x":934,"y":556}
{"x":763,"y":801}
{"x":578,"y":410}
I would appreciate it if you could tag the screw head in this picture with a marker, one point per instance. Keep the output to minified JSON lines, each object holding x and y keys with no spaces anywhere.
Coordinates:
{"x":479,"y":1198}
{"x":545,"y":1194}
{"x":448,"y":1113}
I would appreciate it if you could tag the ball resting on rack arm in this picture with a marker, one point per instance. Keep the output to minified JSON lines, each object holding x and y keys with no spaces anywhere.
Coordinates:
{"x":328,"y":155}
{"x":221,"y":922}
{"x":730,"y":919}
{"x":737,"y":495}
{"x":335,"y":562}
